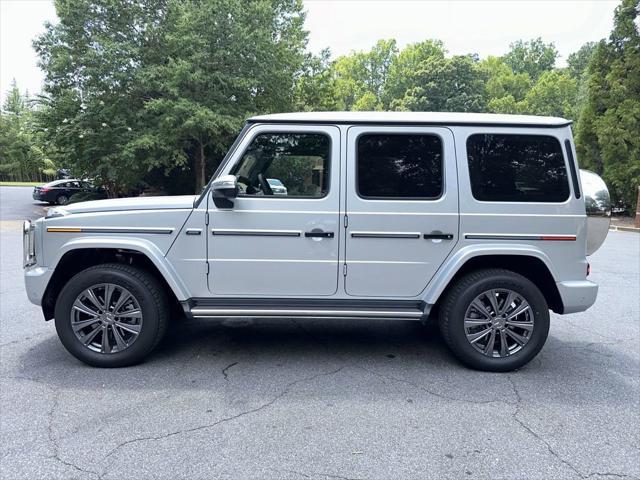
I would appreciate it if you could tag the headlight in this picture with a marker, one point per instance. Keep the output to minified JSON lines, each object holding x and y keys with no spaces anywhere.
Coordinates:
{"x":28,"y":244}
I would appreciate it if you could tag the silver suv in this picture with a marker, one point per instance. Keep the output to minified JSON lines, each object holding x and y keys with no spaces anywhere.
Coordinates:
{"x":479,"y":221}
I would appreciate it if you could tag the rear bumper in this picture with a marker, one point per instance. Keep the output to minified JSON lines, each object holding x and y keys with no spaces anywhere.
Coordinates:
{"x":577,"y":296}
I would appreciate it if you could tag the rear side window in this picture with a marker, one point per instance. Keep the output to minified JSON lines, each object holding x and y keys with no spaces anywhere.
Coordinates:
{"x":517,"y":168}
{"x":400,"y":166}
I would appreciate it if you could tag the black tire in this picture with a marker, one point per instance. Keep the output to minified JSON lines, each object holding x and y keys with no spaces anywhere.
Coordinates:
{"x":62,"y":199}
{"x":464,"y":291}
{"x":147,"y":291}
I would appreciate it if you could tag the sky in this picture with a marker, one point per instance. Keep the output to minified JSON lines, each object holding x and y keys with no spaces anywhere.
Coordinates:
{"x":465,"y":26}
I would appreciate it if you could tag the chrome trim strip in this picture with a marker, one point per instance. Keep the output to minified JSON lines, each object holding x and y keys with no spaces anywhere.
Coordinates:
{"x":518,"y":236}
{"x":258,"y":312}
{"x":257,"y":233}
{"x":193,"y":231}
{"x":385,"y":235}
{"x":149,"y":230}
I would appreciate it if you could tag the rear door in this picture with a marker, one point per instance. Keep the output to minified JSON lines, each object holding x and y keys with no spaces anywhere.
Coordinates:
{"x":402,"y":208}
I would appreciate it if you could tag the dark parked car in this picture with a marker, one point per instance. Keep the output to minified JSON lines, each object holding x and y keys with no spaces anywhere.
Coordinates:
{"x":60,"y":191}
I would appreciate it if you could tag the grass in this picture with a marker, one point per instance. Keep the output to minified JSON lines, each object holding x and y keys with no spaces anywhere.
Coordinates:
{"x":21,"y":184}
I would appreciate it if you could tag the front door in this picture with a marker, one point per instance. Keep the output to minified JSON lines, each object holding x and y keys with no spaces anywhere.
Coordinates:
{"x":281,"y":236}
{"x":402,"y":208}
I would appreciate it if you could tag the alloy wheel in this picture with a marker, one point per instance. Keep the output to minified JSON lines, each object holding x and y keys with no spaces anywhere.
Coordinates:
{"x":106,"y":318}
{"x":499,"y":322}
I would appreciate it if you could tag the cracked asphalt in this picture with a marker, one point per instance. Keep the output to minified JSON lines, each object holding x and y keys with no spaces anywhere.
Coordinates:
{"x":325,"y":399}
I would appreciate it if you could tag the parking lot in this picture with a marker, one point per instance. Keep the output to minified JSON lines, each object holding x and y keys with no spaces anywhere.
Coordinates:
{"x":322,"y":399}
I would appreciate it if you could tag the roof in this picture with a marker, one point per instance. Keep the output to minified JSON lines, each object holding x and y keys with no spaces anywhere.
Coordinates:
{"x":430,"y":118}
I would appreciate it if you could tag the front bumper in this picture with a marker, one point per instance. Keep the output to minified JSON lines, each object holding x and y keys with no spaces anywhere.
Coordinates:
{"x":578,"y":295}
{"x":36,"y":280}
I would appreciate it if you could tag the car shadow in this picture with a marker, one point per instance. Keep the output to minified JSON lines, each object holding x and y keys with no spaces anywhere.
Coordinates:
{"x":243,"y":355}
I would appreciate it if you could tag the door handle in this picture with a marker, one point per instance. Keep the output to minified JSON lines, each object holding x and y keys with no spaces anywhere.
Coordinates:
{"x":438,"y":236}
{"x":318,"y":234}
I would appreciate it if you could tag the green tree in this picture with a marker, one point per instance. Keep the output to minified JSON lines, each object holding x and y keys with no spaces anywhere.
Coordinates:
{"x":315,"y":88}
{"x":554,"y":94}
{"x":139,"y":86}
{"x":451,"y":84}
{"x":364,"y":74}
{"x":216,"y":77}
{"x":577,"y":62}
{"x":608,"y":133}
{"x":533,"y":57}
{"x":404,"y":68}
{"x":91,"y":60}
{"x":21,"y":154}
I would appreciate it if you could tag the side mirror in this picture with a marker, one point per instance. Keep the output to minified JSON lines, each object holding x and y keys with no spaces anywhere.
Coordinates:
{"x":223,"y":190}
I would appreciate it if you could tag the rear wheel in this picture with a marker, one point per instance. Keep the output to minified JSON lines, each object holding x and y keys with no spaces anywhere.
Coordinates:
{"x":494,"y":320}
{"x":111,"y":315}
{"x":62,"y":199}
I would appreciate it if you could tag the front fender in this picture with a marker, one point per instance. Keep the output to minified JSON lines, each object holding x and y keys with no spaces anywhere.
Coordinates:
{"x":458,"y":258}
{"x":140,"y":245}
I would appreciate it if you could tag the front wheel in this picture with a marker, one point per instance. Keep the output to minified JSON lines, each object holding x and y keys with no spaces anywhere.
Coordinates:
{"x":111,"y":315}
{"x":494,"y":320}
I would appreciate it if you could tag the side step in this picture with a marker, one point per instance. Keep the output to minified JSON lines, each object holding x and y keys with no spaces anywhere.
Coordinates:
{"x":312,"y":308}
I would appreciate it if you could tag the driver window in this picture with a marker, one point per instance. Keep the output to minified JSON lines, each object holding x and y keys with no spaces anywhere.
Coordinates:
{"x":285,"y":165}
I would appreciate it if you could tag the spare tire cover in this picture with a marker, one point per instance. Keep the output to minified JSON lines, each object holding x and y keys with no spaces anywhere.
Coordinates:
{"x":598,"y":206}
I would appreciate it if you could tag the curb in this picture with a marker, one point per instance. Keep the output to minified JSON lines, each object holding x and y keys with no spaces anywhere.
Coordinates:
{"x":615,"y":228}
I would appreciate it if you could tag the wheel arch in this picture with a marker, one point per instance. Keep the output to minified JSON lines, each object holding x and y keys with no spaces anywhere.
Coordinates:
{"x":77,"y":256}
{"x":525,"y":260}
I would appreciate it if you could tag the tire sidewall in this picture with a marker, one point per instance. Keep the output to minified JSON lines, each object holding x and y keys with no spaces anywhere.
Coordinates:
{"x":146,"y":339}
{"x":468,"y":354}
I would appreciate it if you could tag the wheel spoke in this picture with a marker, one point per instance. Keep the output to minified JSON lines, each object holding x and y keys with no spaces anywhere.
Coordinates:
{"x":106,"y":346}
{"x":507,"y":303}
{"x":124,"y":297}
{"x":108,"y":292}
{"x":119,"y":340}
{"x":523,"y":307}
{"x":475,"y":322}
{"x":528,"y":326}
{"x":479,"y":306}
{"x":136,"y":313}
{"x":89,"y":293}
{"x":488,"y":348}
{"x":77,"y":326}
{"x":518,"y":338}
{"x":493,"y":300}
{"x":504,"y":347}
{"x":81,"y":307}
{"x":86,"y":339}
{"x":135,"y":329}
{"x":474,"y":337}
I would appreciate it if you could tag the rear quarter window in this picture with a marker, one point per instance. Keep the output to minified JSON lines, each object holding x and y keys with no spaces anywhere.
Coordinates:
{"x":517,"y":168}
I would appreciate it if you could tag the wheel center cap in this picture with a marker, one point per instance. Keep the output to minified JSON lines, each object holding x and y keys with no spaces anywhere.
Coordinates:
{"x":108,"y":318}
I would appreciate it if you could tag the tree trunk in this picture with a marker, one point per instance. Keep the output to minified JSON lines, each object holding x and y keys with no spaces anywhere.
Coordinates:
{"x":200,"y":168}
{"x":638,"y":210}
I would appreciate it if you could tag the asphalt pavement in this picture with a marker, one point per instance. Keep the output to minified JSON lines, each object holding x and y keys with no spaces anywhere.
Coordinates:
{"x":324,"y":399}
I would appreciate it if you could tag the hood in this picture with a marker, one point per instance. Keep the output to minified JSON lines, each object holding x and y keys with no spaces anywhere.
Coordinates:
{"x":136,"y":203}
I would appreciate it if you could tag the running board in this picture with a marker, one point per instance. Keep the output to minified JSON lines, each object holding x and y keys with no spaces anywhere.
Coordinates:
{"x":296,"y":308}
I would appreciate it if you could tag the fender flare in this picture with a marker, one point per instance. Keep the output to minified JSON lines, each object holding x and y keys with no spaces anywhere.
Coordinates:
{"x":140,"y":245}
{"x":457,"y":260}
